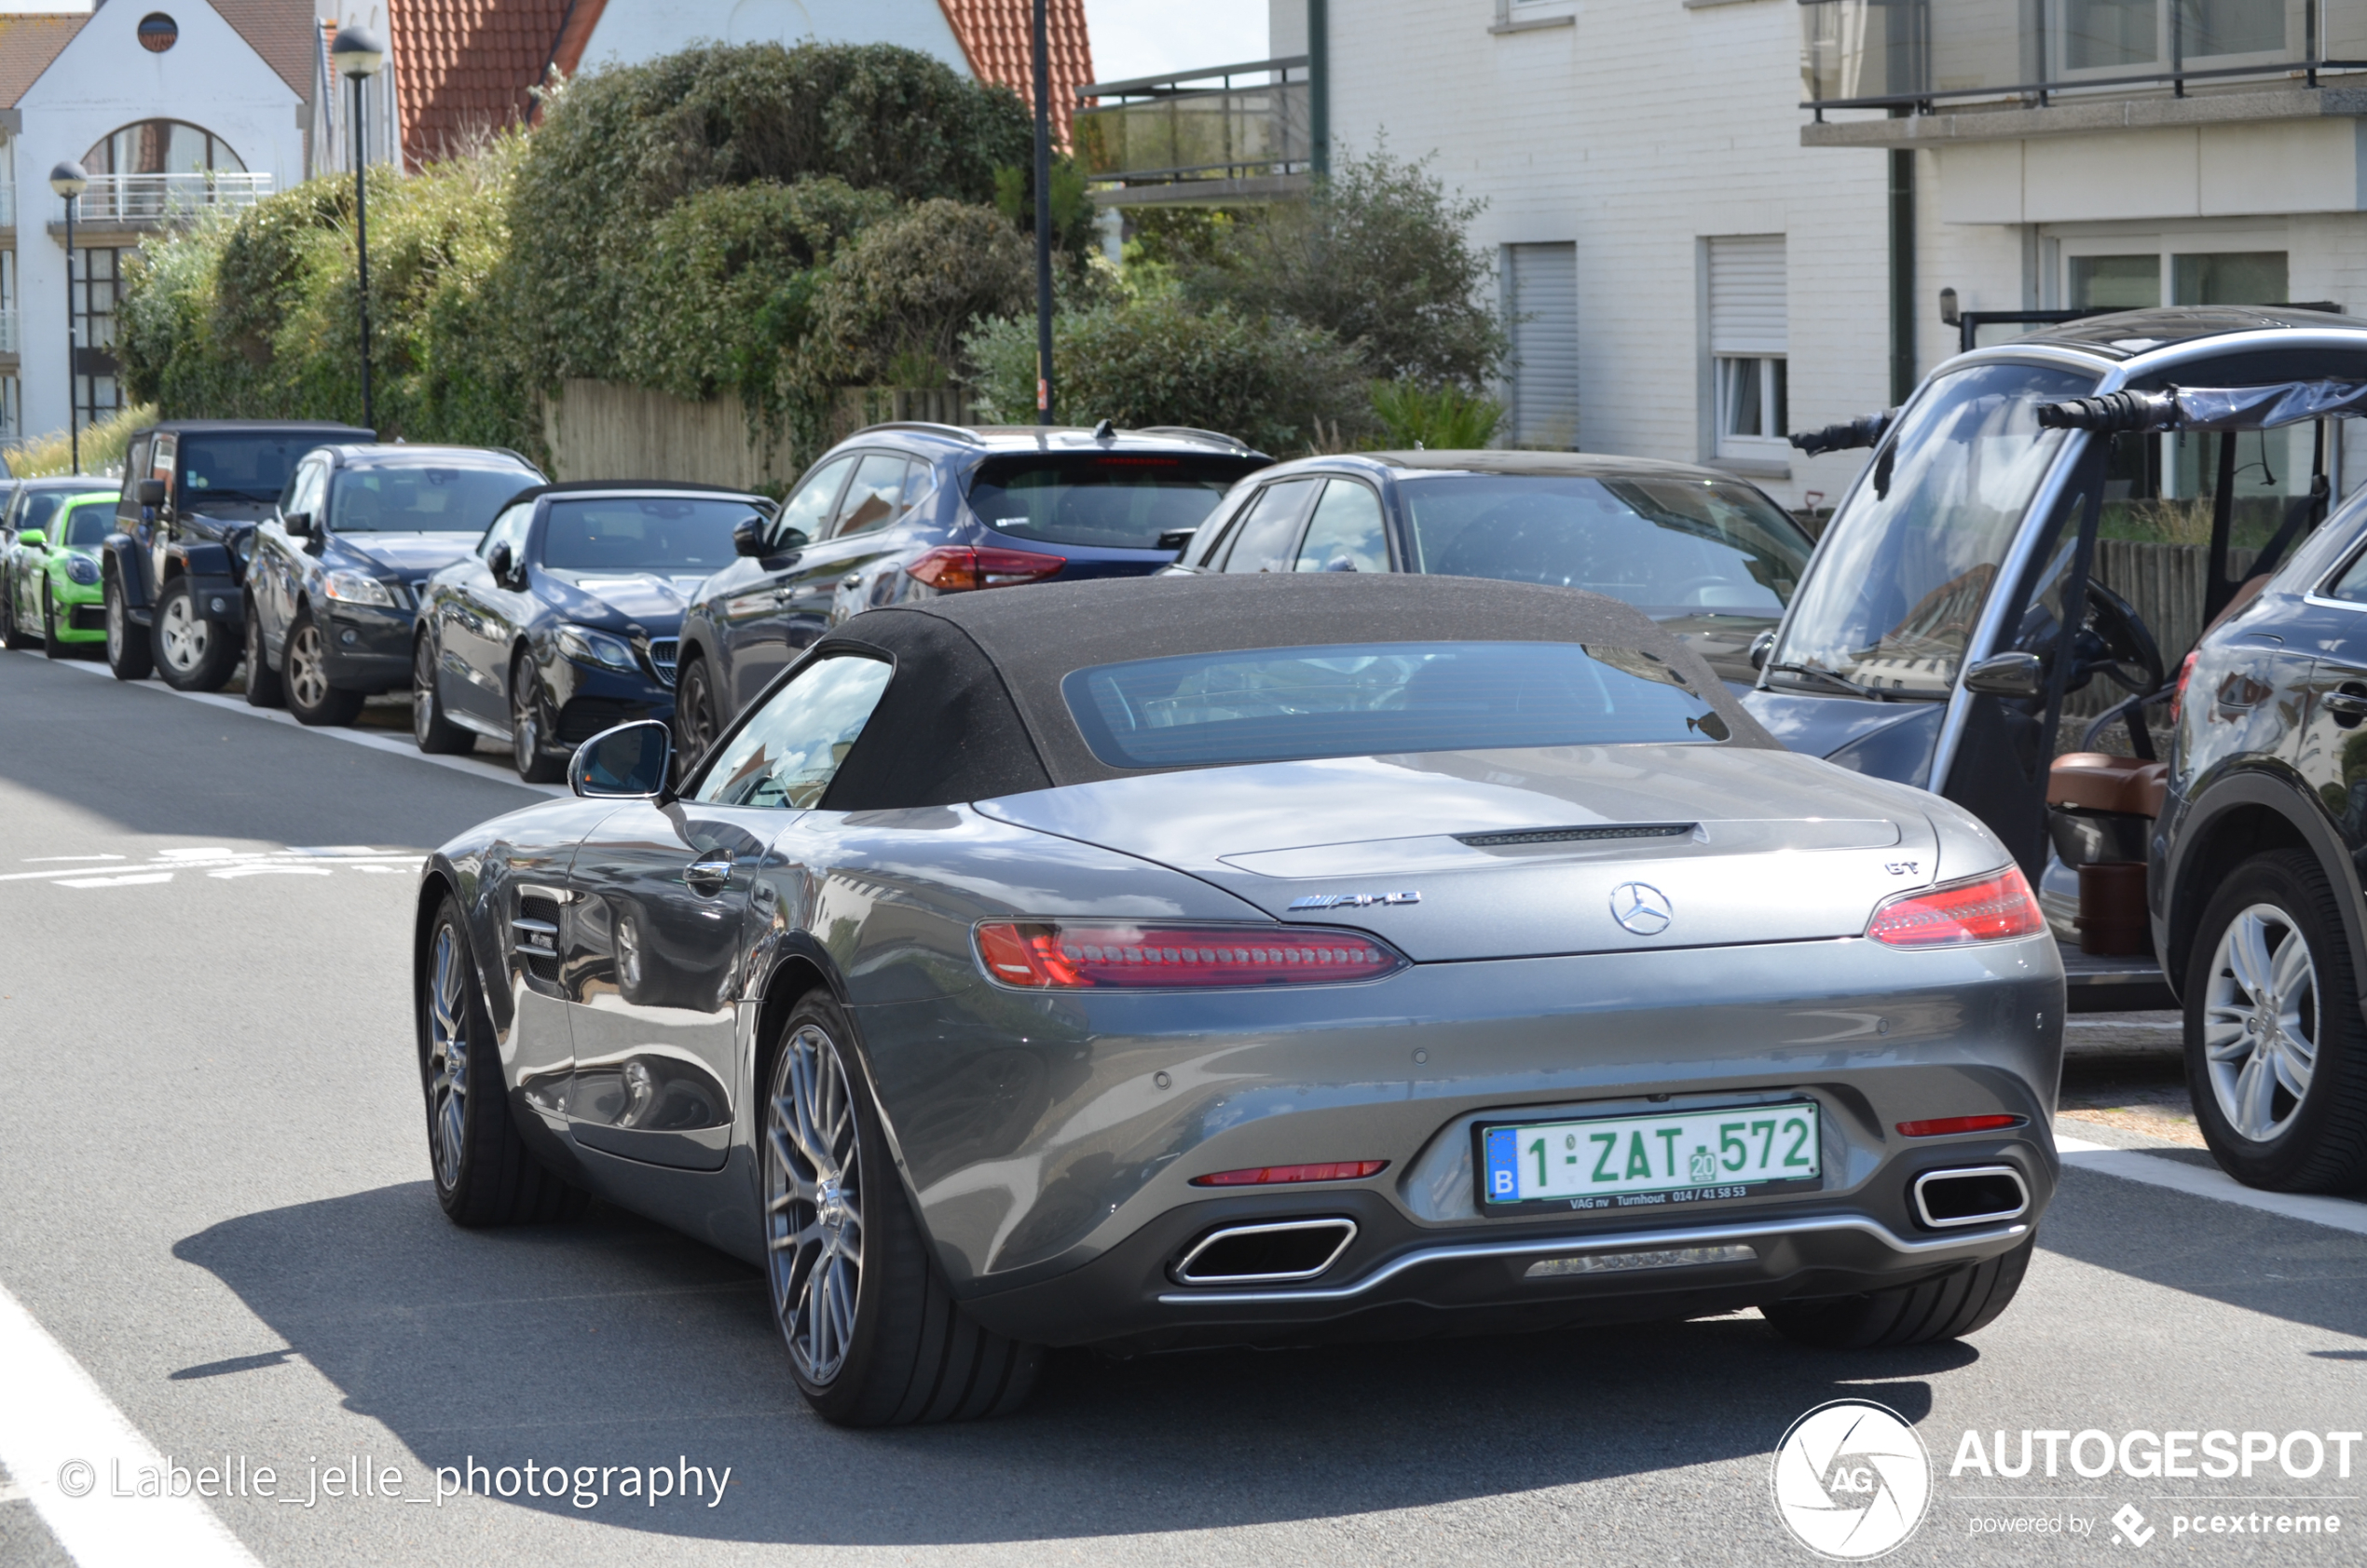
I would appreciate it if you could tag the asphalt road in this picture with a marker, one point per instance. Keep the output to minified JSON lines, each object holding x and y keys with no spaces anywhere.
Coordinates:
{"x":217,"y":1209}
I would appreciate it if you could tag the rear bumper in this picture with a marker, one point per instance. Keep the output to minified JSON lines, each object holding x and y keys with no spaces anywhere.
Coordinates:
{"x":1399,"y":1280}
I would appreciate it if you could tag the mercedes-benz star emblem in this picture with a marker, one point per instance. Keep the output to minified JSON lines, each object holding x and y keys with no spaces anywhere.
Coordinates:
{"x":1641,"y":908}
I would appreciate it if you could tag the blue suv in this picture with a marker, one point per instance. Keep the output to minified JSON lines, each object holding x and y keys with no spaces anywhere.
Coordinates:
{"x":905,"y":511}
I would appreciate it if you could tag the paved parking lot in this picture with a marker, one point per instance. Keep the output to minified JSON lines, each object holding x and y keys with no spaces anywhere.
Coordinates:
{"x":220,"y":1224}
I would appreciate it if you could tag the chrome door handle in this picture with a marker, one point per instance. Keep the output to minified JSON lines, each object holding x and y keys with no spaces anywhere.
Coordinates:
{"x":2350,"y":704}
{"x":708,"y":874}
{"x":852,"y":580}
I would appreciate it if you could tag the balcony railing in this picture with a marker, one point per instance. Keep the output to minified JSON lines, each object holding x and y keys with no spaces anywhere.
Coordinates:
{"x":1888,"y":53}
{"x":8,"y":206}
{"x":9,"y":331}
{"x":1197,"y":126}
{"x":157,"y":199}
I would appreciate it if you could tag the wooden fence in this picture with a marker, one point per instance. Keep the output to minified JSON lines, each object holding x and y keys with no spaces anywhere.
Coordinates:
{"x":598,"y":430}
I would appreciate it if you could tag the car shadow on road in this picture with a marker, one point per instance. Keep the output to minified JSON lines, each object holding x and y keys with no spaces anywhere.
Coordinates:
{"x":2243,"y":1257}
{"x":615,"y":1342}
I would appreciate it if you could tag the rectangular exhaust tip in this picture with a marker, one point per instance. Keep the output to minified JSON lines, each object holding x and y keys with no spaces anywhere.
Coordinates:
{"x":1274,"y":1253}
{"x":1976,"y":1195}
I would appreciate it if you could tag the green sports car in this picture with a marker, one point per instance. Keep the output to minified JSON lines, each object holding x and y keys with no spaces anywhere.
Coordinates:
{"x":49,"y":594}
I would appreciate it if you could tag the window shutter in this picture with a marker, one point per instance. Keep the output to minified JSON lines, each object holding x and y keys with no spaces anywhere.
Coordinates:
{"x":1746,"y":295}
{"x":1543,"y":287}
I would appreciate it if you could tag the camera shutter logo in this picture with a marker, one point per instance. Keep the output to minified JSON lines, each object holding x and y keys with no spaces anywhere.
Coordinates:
{"x":1851,"y":1479}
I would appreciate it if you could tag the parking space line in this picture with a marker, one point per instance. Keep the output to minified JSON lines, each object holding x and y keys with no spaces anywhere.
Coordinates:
{"x":2209,"y":1182}
{"x":353,"y":737}
{"x":59,"y":1435}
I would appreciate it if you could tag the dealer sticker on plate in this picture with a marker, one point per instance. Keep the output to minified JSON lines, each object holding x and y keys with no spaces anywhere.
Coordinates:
{"x":1621,"y":1161}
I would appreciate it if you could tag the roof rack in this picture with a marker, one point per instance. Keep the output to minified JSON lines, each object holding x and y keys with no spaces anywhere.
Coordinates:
{"x":925,"y":427}
{"x":1190,"y":433}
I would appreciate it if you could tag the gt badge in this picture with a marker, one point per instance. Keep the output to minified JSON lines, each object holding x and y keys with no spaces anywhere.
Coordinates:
{"x":1352,"y":900}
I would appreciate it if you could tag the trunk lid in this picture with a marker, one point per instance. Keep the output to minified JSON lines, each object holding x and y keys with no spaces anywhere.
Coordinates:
{"x":1521,"y":854}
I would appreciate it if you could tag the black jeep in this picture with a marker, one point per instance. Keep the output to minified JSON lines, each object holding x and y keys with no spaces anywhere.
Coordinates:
{"x":193,"y":491}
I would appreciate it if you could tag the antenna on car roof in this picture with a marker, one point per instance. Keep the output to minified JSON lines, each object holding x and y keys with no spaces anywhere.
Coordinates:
{"x":1105,"y":431}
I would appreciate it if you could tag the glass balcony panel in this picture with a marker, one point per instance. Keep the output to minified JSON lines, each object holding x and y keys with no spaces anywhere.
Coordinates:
{"x":2111,"y":34}
{"x":1226,"y":132}
{"x":2213,"y":28}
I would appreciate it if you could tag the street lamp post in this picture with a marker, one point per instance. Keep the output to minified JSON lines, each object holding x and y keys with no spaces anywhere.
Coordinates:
{"x":358,"y":54}
{"x":1043,"y":218}
{"x":69,"y":179}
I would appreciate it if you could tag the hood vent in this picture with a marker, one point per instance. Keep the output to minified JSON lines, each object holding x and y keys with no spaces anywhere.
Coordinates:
{"x":1578,"y":834}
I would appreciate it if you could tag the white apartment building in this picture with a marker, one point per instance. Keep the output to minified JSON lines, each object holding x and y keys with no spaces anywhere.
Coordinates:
{"x":207,"y":103}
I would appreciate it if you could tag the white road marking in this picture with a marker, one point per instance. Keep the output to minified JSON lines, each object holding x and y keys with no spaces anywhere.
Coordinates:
{"x":56,"y":1424}
{"x":2209,"y":1182}
{"x":38,"y":859}
{"x":471,"y":766}
{"x":136,"y":879}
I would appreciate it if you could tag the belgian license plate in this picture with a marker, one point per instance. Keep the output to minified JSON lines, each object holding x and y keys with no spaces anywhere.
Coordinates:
{"x":1622,"y":1162}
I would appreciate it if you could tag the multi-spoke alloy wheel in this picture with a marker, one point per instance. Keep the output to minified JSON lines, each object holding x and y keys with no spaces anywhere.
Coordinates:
{"x":814,"y":1204}
{"x":874,"y":1334}
{"x":2260,"y":1022}
{"x":484,"y":1175}
{"x":2276,"y":1053}
{"x":304,"y":678}
{"x":448,"y":1056}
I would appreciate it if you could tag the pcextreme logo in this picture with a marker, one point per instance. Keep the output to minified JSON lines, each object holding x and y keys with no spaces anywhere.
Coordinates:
{"x":1852,"y":1479}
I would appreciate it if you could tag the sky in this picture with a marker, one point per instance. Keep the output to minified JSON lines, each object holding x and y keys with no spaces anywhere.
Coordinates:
{"x":1145,"y":37}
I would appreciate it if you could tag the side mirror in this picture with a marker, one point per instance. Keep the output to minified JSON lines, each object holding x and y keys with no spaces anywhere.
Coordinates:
{"x":1177,"y":540}
{"x":629,"y":762}
{"x":748,"y":537}
{"x":2007,"y":675}
{"x":1761,"y":645}
{"x":503,"y":569}
{"x":32,"y":538}
{"x":298,"y":524}
{"x":150,"y":492}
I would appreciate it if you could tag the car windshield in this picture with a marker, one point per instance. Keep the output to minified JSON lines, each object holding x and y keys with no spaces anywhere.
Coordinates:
{"x":251,"y":466}
{"x":422,"y":500}
{"x":1116,"y":500}
{"x":1380,"y":699}
{"x":671,"y":535}
{"x":41,"y":507}
{"x":1908,"y":562}
{"x":1666,"y":545}
{"x":88,"y":523}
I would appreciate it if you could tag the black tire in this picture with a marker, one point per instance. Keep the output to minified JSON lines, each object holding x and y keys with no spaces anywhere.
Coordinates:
{"x":129,"y":655}
{"x":53,"y":644}
{"x":2305,"y":1026}
{"x":904,"y":1352}
{"x":10,"y":635}
{"x":697,"y":719}
{"x":191,"y":653}
{"x":304,"y":678}
{"x":527,"y":752}
{"x":1948,"y":1307}
{"x":484,"y":1173}
{"x":264,"y":687}
{"x":433,"y":732}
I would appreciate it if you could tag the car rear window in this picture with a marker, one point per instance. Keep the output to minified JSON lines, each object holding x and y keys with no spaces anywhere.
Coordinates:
{"x":1379,"y":699}
{"x":1115,"y":501}
{"x":664,"y":534}
{"x":1665,"y":544}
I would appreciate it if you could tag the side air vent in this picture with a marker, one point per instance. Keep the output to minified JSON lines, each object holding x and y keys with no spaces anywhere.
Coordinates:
{"x":1578,"y":834}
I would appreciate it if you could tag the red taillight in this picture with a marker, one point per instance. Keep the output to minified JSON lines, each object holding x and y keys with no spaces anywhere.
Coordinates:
{"x":952,"y":568}
{"x":1046,"y":955}
{"x":1946,"y":1124}
{"x":2178,"y":692}
{"x":1997,"y":907}
{"x":1270,"y":1176}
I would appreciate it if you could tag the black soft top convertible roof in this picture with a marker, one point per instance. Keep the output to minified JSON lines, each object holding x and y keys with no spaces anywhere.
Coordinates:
{"x":976,"y":709}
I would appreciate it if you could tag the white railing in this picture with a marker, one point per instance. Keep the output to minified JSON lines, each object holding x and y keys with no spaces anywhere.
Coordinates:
{"x":150,"y":198}
{"x":9,"y":331}
{"x":8,"y":206}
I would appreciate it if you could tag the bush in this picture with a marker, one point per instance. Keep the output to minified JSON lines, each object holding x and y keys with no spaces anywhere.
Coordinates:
{"x":1441,"y":418}
{"x":1380,"y":256}
{"x":619,"y":148}
{"x":1156,"y":361}
{"x":896,"y":307}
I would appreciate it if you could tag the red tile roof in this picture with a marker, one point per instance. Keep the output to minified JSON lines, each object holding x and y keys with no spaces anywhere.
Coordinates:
{"x":463,"y":67}
{"x":998,"y":36}
{"x":280,"y":30}
{"x":27,"y":46}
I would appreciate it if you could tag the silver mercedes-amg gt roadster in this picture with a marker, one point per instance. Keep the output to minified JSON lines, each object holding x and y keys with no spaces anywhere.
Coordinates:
{"x":1190,"y":962}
